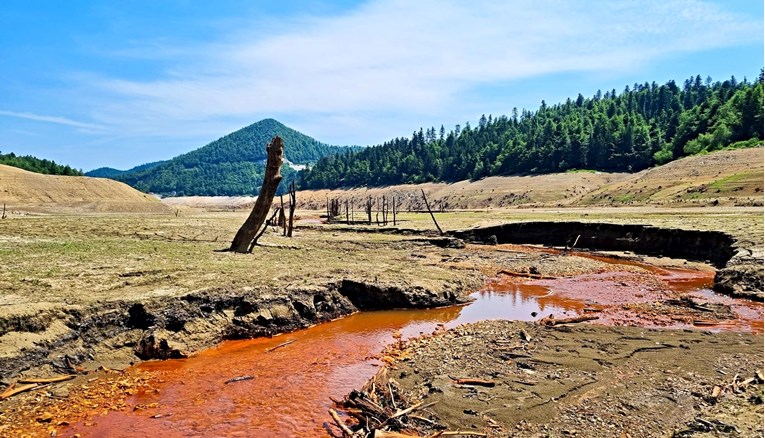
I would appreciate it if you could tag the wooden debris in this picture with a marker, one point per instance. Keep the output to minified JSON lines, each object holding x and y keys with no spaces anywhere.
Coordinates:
{"x":525,"y":336}
{"x":239,"y":379}
{"x":48,"y":380}
{"x":760,"y":376}
{"x":551,"y":321}
{"x":526,"y":275}
{"x":716,"y":392}
{"x":283,"y":344}
{"x":475,"y":382}
{"x":339,"y":422}
{"x":13,"y":390}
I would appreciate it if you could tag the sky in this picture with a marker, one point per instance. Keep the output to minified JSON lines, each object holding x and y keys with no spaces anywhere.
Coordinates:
{"x":117,"y":84}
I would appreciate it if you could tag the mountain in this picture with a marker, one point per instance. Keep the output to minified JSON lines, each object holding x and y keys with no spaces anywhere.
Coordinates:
{"x":644,"y":125}
{"x":232,"y":165}
{"x":37,"y":165}
{"x":110,"y":172}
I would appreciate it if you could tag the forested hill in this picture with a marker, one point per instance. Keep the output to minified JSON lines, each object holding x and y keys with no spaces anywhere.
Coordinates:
{"x":34,"y":164}
{"x":109,"y":172}
{"x":642,"y":126}
{"x":231,"y":165}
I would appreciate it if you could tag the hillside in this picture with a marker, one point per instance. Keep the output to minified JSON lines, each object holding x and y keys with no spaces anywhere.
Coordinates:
{"x":729,"y":177}
{"x":110,"y":172}
{"x":642,"y":126}
{"x":22,"y":190}
{"x":37,"y":165}
{"x":231,"y":165}
{"x":733,"y":178}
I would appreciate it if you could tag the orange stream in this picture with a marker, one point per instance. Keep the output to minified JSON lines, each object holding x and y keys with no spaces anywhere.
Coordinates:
{"x":289,"y":394}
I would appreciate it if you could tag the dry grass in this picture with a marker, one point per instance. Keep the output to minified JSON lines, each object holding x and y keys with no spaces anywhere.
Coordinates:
{"x":81,"y":259}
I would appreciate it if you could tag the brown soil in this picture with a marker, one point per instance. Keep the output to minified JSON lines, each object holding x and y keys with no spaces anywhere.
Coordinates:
{"x":585,"y":380}
{"x":25,"y":192}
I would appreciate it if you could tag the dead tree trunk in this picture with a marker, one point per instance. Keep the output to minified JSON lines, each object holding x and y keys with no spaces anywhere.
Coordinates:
{"x":4,"y":216}
{"x":293,"y":206}
{"x":394,"y":211}
{"x":369,"y":210}
{"x":431,"y":212}
{"x":248,"y":232}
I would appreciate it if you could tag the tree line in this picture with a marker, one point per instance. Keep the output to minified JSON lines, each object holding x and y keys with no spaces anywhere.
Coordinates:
{"x":644,"y":125}
{"x":34,"y":164}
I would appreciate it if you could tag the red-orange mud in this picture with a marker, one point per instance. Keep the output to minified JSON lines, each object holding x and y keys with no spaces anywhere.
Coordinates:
{"x":290,"y":390}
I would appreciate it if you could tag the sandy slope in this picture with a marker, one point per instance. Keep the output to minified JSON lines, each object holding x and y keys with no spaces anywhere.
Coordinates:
{"x":28,"y":191}
{"x":732,"y":178}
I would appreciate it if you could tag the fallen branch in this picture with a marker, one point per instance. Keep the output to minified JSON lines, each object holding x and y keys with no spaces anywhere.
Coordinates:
{"x":526,"y":275}
{"x":48,"y":380}
{"x":550,"y":321}
{"x":283,"y":344}
{"x":475,"y":382}
{"x":339,"y":422}
{"x":13,"y":390}
{"x":239,"y":379}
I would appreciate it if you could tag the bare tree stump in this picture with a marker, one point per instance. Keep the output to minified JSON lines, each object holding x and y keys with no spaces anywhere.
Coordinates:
{"x":248,"y":232}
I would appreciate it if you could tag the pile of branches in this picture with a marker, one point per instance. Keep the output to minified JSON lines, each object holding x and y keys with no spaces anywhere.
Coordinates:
{"x":381,"y":410}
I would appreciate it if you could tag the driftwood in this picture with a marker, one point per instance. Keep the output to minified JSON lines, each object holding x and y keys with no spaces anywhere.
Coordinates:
{"x":526,"y":275}
{"x":246,"y":236}
{"x":13,"y":390}
{"x":48,"y":380}
{"x":550,"y":321}
{"x":283,"y":344}
{"x":475,"y":382}
{"x":239,"y":379}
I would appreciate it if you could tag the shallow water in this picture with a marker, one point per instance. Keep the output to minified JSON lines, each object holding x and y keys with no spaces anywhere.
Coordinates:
{"x":291,"y":387}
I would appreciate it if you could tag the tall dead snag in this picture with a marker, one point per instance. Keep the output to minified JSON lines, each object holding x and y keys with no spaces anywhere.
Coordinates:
{"x":4,"y":216}
{"x":248,"y":232}
{"x":431,"y":212}
{"x":282,"y":219}
{"x":293,"y":205}
{"x":369,"y":210}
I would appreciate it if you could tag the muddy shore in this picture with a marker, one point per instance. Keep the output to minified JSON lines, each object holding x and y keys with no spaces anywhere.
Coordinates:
{"x":584,"y":380}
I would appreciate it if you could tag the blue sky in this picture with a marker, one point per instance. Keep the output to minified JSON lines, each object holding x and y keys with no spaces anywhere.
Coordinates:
{"x":118,"y":84}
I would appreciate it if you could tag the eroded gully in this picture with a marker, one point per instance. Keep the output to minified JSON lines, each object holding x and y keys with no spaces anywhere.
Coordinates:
{"x":295,"y":374}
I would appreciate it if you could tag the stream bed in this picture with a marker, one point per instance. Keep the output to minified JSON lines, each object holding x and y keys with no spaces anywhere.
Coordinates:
{"x":290,"y":378}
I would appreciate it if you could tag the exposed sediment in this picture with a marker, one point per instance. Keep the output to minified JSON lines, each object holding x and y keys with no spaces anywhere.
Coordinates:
{"x":119,"y":333}
{"x":740,"y":268}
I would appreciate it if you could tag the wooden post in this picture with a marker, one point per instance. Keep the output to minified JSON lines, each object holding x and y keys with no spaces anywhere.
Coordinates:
{"x":431,"y":212}
{"x":4,"y":215}
{"x":328,"y":216}
{"x":347,"y":219}
{"x":282,"y":219}
{"x":353,"y":213}
{"x":293,"y":206}
{"x":248,"y":235}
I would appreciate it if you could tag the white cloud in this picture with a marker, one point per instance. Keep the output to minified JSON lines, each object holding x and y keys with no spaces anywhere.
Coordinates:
{"x":404,"y":57}
{"x":53,"y":119}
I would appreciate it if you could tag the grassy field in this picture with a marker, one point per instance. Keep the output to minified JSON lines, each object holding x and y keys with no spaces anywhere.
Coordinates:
{"x":83,"y":258}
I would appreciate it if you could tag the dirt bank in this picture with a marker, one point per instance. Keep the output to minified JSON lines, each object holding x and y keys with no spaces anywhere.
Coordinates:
{"x":740,"y":275}
{"x":584,"y":380}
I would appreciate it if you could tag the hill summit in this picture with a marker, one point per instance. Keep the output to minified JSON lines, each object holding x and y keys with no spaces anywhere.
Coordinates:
{"x":232,"y":165}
